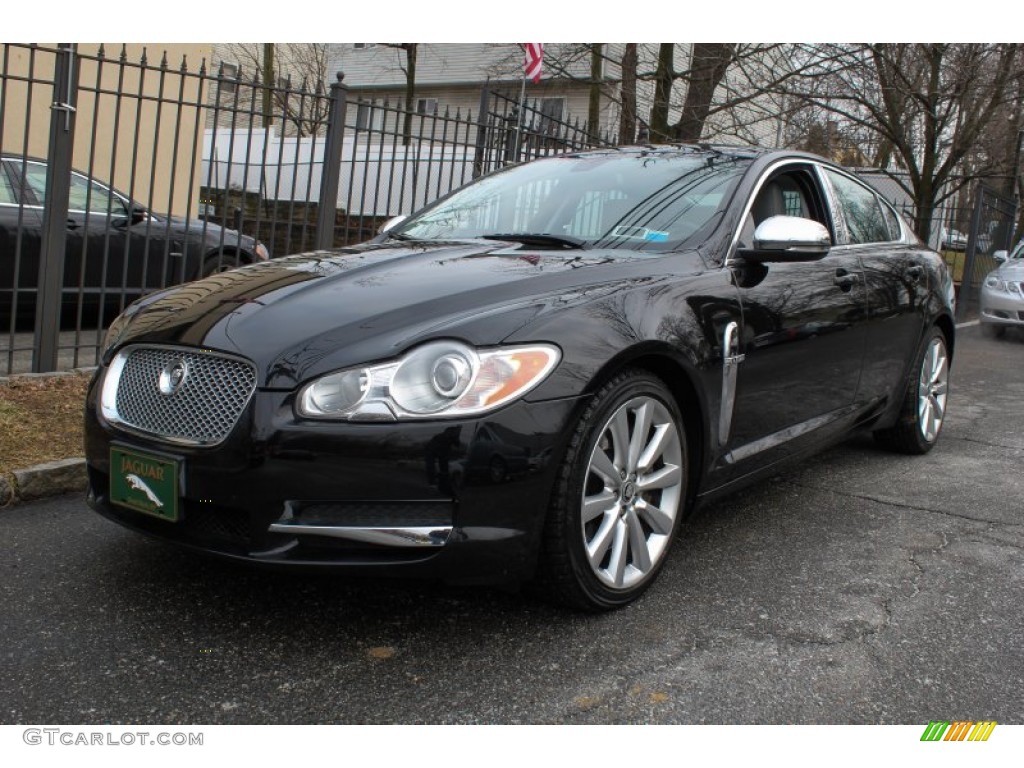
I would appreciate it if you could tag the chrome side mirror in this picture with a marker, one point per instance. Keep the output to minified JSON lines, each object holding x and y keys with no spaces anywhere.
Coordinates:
{"x":1001,"y":256}
{"x":788,"y":238}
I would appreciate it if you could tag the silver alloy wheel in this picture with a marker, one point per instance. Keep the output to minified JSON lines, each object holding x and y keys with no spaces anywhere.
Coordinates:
{"x":632,"y":492}
{"x":932,"y":389}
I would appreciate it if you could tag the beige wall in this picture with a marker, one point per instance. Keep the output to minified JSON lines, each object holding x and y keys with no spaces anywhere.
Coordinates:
{"x":167,"y":153}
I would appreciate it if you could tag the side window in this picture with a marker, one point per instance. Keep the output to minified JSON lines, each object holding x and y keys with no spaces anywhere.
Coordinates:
{"x":83,"y":195}
{"x":6,"y":190}
{"x":35,"y":180}
{"x":92,"y":197}
{"x":861,"y":209}
{"x":892,"y":221}
{"x":791,"y":193}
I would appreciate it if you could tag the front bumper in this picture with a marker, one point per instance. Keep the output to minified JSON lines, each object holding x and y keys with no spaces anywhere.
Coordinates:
{"x":1001,"y":308}
{"x":459,"y":500}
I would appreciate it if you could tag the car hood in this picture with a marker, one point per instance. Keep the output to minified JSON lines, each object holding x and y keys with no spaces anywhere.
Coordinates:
{"x":1011,"y":270}
{"x":303,"y":315}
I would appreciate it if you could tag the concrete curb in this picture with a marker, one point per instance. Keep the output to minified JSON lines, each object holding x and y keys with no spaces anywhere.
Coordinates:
{"x":41,"y":481}
{"x":52,"y":478}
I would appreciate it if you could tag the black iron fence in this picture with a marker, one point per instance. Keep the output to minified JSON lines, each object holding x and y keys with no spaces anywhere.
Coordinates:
{"x":121,"y":175}
{"x":969,"y":228}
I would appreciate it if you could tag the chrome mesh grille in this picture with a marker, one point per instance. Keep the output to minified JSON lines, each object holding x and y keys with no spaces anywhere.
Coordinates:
{"x":202,"y":411}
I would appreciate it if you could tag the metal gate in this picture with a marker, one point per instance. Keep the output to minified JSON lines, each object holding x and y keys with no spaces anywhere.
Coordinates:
{"x":120,"y":176}
{"x":992,"y":223}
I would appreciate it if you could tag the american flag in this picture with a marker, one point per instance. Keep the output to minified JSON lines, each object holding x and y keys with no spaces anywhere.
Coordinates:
{"x":534,"y":60}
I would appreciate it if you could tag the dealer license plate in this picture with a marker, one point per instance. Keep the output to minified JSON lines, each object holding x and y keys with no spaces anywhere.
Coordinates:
{"x":144,"y":482}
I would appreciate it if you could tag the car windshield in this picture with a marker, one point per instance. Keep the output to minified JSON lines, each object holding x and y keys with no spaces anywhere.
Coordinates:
{"x":645,"y":201}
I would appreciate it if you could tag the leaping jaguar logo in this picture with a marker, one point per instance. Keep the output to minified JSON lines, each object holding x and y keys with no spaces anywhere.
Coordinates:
{"x":138,"y":484}
{"x":172,"y":377}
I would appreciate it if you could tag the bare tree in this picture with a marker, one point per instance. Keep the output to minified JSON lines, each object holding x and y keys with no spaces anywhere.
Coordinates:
{"x":289,"y":77}
{"x":408,"y":66}
{"x":594,"y":101}
{"x":627,"y":111}
{"x":921,"y":107}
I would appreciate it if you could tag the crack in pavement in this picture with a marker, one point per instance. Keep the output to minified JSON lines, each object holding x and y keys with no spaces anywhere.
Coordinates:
{"x":985,"y":443}
{"x":900,"y":505}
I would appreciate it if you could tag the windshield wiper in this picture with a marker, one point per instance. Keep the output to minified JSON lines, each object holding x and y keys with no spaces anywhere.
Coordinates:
{"x":540,"y":239}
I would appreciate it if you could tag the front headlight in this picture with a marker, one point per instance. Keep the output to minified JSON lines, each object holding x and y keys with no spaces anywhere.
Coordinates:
{"x":442,"y":379}
{"x":261,"y":251}
{"x":993,"y":282}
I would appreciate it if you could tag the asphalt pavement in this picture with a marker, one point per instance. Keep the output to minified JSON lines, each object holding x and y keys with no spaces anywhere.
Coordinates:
{"x":857,"y":587}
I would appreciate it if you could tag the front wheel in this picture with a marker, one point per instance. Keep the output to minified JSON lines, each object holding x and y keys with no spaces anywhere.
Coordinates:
{"x":924,"y":401}
{"x":620,"y":496}
{"x":218,"y":263}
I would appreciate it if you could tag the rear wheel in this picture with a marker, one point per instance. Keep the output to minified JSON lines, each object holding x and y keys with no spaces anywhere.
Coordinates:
{"x":620,"y":497}
{"x":924,"y":401}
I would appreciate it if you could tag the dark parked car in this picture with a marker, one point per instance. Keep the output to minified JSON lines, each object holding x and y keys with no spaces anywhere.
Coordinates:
{"x":655,"y":325}
{"x":116,"y":250}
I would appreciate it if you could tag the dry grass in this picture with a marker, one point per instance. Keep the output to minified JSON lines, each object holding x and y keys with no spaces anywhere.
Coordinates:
{"x":40,"y":420}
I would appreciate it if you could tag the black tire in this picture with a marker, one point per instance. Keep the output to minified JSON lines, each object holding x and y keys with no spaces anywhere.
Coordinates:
{"x":600,"y":499}
{"x":993,"y":330}
{"x":924,"y":400}
{"x":221,"y":263}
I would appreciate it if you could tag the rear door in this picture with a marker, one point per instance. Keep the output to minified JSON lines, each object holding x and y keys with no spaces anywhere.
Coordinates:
{"x":896,"y":282}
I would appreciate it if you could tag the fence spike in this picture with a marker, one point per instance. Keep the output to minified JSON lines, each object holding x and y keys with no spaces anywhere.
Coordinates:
{"x":184,"y":65}
{"x":202,"y":67}
{"x":144,"y":60}
{"x":101,"y":53}
{"x":163,"y":61}
{"x":124,"y":53}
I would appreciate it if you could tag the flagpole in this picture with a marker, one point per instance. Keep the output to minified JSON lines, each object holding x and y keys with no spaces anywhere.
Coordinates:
{"x":522,"y":114}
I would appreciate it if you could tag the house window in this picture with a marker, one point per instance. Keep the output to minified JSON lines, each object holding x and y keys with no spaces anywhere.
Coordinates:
{"x":229,"y":81}
{"x":550,"y":111}
{"x":426,"y":106}
{"x":368,"y":116}
{"x":363,"y":46}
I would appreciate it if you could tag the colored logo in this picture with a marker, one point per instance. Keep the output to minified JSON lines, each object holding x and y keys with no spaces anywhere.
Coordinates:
{"x":958,"y":730}
{"x":144,"y":483}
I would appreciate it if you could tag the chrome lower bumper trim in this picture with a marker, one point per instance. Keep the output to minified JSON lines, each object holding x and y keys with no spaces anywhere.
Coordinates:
{"x":420,"y":536}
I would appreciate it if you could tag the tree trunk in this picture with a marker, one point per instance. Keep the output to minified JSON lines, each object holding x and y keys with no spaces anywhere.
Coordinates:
{"x":708,"y":64}
{"x":594,"y":105}
{"x":268,"y":83}
{"x":663,"y":78}
{"x":410,"y":90}
{"x":627,"y":116}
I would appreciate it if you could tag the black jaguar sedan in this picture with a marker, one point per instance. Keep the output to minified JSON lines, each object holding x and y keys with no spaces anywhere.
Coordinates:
{"x":533,"y":379}
{"x":115,"y":249}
